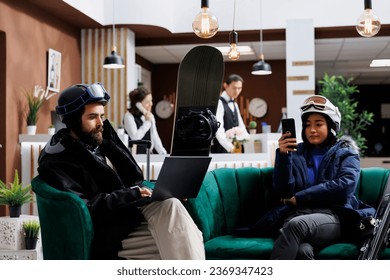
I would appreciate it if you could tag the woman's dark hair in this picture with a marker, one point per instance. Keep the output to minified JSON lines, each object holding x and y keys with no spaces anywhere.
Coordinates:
{"x":137,"y":95}
{"x":330,"y":140}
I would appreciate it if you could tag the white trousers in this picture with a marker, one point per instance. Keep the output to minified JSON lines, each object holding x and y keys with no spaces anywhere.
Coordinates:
{"x":169,"y":233}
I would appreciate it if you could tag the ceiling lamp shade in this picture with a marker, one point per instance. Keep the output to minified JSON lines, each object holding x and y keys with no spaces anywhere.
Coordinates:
{"x":113,"y":60}
{"x":368,"y":23}
{"x":261,"y":67}
{"x":205,"y":24}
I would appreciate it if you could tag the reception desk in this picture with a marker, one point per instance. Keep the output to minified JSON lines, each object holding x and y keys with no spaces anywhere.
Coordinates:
{"x":217,"y":161}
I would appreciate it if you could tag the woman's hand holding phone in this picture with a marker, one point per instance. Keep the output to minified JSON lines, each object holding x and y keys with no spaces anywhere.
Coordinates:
{"x":288,"y":140}
{"x":287,"y":144}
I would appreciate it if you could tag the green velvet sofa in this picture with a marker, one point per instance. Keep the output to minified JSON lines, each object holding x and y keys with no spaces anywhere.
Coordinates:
{"x":231,"y":198}
{"x":66,"y":225}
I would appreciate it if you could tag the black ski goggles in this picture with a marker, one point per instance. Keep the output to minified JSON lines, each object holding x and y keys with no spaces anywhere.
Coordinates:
{"x":94,"y":92}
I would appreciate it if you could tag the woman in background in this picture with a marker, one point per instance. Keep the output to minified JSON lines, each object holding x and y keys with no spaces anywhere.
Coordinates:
{"x":139,"y":121}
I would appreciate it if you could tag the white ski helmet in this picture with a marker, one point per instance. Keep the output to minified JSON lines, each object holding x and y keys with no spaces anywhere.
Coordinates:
{"x":320,"y":104}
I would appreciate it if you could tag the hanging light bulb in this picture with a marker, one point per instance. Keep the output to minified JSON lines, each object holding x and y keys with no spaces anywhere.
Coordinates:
{"x":261,"y":67}
{"x":205,"y":24}
{"x":368,"y":23}
{"x":233,"y":53}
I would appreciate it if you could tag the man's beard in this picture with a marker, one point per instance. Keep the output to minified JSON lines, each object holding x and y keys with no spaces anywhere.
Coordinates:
{"x":92,"y":138}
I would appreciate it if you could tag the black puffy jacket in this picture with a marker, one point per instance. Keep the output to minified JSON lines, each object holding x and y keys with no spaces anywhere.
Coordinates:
{"x":66,"y":164}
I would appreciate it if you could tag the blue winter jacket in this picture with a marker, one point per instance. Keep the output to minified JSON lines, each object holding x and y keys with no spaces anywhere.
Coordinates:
{"x":336,"y":181}
{"x":334,"y":189}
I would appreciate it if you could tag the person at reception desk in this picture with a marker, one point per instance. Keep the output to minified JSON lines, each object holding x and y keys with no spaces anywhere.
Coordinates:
{"x":74,"y":160}
{"x":316,"y":182}
{"x":228,"y":115}
{"x":139,"y":122}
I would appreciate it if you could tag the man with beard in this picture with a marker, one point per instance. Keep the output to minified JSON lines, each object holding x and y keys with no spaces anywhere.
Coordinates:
{"x":75,"y":160}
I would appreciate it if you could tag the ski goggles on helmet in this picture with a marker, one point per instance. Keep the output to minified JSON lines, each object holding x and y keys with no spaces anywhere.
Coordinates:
{"x":93,"y":93}
{"x":317,"y":102}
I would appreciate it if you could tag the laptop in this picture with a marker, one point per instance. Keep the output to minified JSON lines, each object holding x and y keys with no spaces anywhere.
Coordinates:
{"x":179,"y":177}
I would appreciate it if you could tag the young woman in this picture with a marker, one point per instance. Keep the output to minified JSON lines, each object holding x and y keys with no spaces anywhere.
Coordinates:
{"x":317,"y":179}
{"x":139,"y":122}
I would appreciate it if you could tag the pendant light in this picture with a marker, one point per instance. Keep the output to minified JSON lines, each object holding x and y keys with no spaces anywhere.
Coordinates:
{"x":368,"y":23}
{"x":113,"y":61}
{"x":205,"y":24}
{"x":261,"y":67}
{"x":233,"y":53}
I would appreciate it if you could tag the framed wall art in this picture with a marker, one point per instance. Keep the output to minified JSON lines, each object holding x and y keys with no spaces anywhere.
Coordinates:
{"x":54,"y":70}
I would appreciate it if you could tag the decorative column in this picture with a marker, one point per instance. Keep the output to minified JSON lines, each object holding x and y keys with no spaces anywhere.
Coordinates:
{"x":300,"y":71}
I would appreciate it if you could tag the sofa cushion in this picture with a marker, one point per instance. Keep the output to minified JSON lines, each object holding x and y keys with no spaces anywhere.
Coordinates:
{"x":339,"y":251}
{"x":371,"y":184}
{"x":347,"y":251}
{"x":234,"y":248}
{"x":231,"y":198}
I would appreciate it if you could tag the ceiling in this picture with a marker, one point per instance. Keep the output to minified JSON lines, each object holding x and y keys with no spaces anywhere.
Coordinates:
{"x":339,"y":53}
{"x":349,"y":57}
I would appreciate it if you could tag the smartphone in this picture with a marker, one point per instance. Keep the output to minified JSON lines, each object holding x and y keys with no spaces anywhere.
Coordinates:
{"x":288,"y":125}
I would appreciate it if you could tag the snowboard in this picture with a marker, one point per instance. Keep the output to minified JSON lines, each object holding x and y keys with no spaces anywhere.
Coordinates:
{"x":199,"y":84}
{"x":380,"y":238}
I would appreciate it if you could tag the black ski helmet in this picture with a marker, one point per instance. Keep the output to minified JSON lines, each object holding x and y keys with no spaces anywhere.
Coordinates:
{"x":75,"y":97}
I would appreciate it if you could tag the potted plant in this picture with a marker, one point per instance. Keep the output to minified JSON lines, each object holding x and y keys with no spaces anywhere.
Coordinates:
{"x":340,"y":92}
{"x":252,"y":127}
{"x":35,"y":101}
{"x":15,"y":195}
{"x":31,"y":231}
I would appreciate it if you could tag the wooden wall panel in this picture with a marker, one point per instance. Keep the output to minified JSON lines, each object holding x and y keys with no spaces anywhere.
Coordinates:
{"x":96,"y":45}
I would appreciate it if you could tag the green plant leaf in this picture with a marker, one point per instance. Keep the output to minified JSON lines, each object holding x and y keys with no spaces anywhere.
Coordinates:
{"x":31,"y":228}
{"x":34,"y":104}
{"x":340,"y":91}
{"x":15,"y":194}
